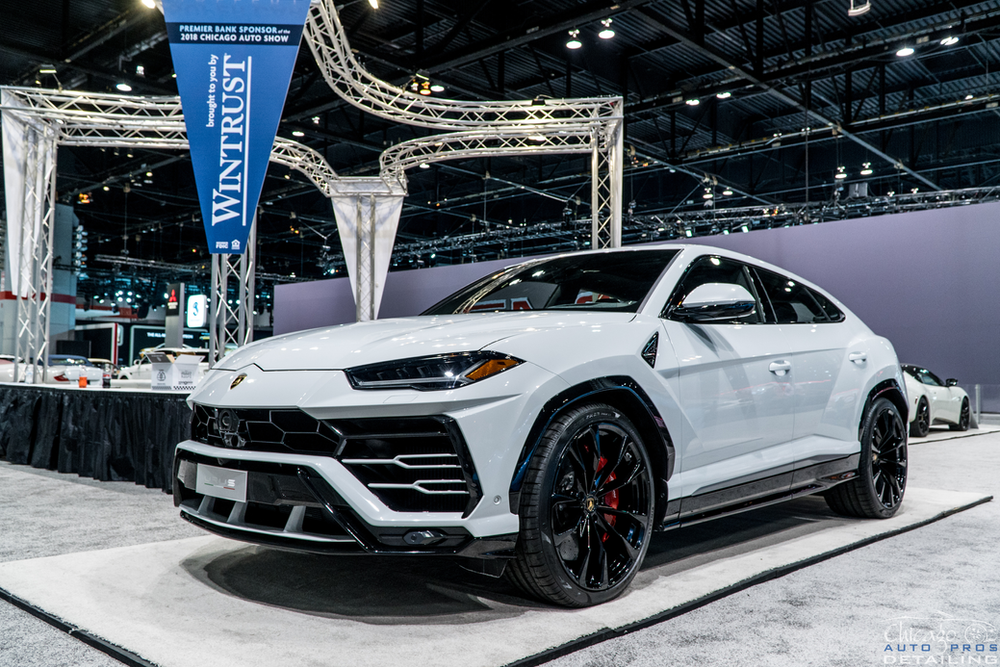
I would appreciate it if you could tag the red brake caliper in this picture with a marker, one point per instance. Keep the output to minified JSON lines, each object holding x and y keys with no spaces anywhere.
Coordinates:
{"x":610,"y":499}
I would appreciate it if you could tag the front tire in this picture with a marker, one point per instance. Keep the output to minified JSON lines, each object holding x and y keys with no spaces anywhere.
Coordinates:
{"x":964,"y":419}
{"x":586,"y":509}
{"x":921,"y":424}
{"x":877,"y":491}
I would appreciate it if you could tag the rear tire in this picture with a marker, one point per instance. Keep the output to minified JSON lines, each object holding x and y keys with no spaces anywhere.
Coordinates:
{"x":921,"y":424}
{"x":586,"y":509}
{"x":964,"y":419}
{"x":877,"y":491}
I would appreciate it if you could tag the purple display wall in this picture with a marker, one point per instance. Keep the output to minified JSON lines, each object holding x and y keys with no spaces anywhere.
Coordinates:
{"x":926,"y":280}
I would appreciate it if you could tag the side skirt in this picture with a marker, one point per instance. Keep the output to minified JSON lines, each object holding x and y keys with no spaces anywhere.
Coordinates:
{"x":812,"y":479}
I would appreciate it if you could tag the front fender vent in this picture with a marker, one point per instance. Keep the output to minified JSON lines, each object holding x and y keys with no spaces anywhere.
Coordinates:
{"x":649,"y":352}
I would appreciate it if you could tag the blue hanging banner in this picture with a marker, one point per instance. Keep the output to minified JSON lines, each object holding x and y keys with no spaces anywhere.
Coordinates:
{"x":234,"y":60}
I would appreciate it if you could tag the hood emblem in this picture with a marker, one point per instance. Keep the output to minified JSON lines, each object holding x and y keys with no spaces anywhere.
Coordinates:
{"x":239,"y":379}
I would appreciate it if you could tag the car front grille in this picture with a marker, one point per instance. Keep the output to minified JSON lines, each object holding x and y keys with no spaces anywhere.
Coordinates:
{"x":412,"y":464}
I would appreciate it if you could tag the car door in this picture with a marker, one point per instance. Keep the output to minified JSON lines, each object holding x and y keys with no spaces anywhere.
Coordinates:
{"x":943,"y":400}
{"x":732,"y":383}
{"x":824,"y":368}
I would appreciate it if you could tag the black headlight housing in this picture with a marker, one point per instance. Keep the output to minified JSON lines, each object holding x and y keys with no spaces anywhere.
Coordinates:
{"x":432,"y":373}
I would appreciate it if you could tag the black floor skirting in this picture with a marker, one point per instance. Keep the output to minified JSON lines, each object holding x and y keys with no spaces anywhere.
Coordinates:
{"x":106,"y":435}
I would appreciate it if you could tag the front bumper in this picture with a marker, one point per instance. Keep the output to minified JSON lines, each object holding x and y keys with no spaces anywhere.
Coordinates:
{"x":363,"y":471}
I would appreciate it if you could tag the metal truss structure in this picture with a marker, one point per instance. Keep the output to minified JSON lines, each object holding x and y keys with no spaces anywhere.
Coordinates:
{"x":232,"y":323}
{"x":72,"y":118}
{"x":484,"y":127}
{"x":327,"y":40}
{"x":35,"y":253}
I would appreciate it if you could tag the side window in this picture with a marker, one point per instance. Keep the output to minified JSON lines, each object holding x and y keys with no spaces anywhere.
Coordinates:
{"x":714,"y":270}
{"x":832,"y":312}
{"x":791,"y":302}
{"x":929,"y":378}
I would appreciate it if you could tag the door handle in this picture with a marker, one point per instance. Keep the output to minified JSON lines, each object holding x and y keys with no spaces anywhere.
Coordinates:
{"x":858,"y":357}
{"x":780,"y":367}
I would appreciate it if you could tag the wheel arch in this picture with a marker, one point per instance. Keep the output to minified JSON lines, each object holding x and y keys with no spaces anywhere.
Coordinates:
{"x":891,"y":390}
{"x":624,"y":394}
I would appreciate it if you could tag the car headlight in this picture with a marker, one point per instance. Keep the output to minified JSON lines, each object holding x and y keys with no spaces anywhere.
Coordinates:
{"x":440,"y":371}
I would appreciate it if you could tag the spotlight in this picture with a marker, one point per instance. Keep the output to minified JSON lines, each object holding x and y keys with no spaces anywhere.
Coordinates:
{"x":968,"y":97}
{"x":725,"y":231}
{"x":373,"y":3}
{"x":124,"y":87}
{"x":149,"y":3}
{"x":693,"y":102}
{"x":607,"y":33}
{"x":106,"y":188}
{"x":950,"y":40}
{"x":540,"y":138}
{"x":298,"y":133}
{"x":727,"y":192}
{"x":841,"y":173}
{"x":905,"y":51}
{"x":687,"y":232}
{"x":425,"y":165}
{"x":47,"y":69}
{"x":866,"y":169}
{"x":744,"y":229}
{"x":574,"y":42}
{"x":437,"y":88}
{"x":724,"y":95}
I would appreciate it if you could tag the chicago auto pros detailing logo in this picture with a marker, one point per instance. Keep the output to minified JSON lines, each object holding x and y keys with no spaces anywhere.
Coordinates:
{"x":234,"y":61}
{"x":939,"y":639}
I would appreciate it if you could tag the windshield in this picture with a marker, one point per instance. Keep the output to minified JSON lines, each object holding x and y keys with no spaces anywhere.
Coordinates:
{"x":614,"y":282}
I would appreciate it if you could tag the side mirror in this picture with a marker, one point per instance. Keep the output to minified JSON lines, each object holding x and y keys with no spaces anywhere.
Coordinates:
{"x":715,"y":302}
{"x":951,"y":382}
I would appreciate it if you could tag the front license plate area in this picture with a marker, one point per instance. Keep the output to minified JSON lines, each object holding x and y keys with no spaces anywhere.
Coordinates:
{"x":221,"y":483}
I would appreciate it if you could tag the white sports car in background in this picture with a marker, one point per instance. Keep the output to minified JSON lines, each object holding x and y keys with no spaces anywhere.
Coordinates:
{"x":549,"y":417}
{"x":935,"y":402}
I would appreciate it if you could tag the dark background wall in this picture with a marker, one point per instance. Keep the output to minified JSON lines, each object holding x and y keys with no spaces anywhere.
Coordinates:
{"x":927,"y":280}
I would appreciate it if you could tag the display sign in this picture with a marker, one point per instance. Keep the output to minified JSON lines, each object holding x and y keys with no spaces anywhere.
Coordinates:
{"x":197,"y":311}
{"x":234,"y":61}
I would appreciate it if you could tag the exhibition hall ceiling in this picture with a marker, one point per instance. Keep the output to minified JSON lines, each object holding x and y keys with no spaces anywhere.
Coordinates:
{"x":740,"y":114}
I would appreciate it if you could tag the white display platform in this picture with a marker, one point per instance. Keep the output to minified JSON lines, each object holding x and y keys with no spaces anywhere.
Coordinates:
{"x":938,"y":433}
{"x":210,"y":600}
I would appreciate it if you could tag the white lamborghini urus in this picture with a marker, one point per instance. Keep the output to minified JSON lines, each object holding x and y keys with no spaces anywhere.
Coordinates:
{"x":549,"y":417}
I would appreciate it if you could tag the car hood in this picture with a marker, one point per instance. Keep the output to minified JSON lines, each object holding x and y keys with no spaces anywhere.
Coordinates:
{"x":348,"y":345}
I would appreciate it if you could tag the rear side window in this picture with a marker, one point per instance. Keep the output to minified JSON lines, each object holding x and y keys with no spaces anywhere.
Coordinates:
{"x":794,"y":303}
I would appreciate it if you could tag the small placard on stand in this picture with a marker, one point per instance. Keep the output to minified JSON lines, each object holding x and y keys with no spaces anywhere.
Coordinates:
{"x":174,"y":374}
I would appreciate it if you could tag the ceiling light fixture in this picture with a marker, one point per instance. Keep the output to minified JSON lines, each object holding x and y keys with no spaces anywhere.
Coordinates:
{"x":607,"y":33}
{"x":950,"y":40}
{"x":905,"y":51}
{"x":437,"y":88}
{"x":574,"y":42}
{"x":866,"y":169}
{"x":149,"y":3}
{"x":968,"y":97}
{"x":693,"y":102}
{"x":124,"y":87}
{"x":298,"y":133}
{"x":373,"y":3}
{"x":727,"y":192}
{"x":687,"y":232}
{"x":841,"y":173}
{"x":724,"y":95}
{"x":744,"y":229}
{"x":47,"y":69}
{"x":857,"y":9}
{"x":425,"y":165}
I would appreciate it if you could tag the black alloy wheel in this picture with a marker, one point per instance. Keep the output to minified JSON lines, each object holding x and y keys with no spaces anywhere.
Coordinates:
{"x":921,"y":424}
{"x":877,"y":491}
{"x":587,"y":509}
{"x":964,"y":419}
